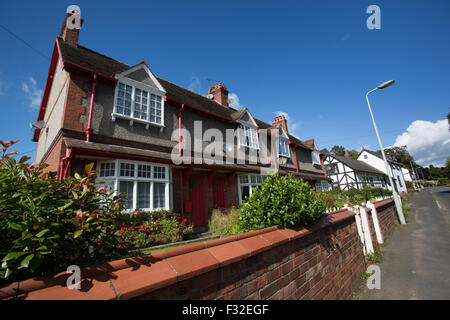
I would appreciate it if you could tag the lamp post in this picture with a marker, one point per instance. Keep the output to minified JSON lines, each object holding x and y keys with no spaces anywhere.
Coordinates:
{"x":397,"y":201}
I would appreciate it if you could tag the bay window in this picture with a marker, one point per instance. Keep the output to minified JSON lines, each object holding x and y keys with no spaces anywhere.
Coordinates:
{"x":136,"y":102}
{"x":315,"y":157}
{"x":283,"y":147}
{"x":248,"y":136}
{"x":248,"y":183}
{"x":145,"y":185}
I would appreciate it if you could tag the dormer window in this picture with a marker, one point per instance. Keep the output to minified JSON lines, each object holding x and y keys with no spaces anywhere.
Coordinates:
{"x":283,"y":147}
{"x":315,"y":157}
{"x":138,"y":103}
{"x":248,"y":136}
{"x":139,"y":97}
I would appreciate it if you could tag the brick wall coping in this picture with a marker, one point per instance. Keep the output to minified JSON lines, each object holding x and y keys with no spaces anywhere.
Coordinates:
{"x":132,"y":277}
{"x":383,"y":203}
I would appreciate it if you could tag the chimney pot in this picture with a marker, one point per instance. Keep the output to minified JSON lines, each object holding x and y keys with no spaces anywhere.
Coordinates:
{"x":347,"y":155}
{"x":220,"y":94}
{"x":280,"y":120}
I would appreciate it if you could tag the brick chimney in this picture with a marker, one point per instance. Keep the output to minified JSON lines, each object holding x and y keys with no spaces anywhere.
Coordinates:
{"x":347,"y":155}
{"x":280,"y":120}
{"x":220,"y":94}
{"x":69,"y":30}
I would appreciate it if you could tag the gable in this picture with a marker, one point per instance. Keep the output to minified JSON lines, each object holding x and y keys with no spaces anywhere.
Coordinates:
{"x":246,"y":118}
{"x":141,"y":75}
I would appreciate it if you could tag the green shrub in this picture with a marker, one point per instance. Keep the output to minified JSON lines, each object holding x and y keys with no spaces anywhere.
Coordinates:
{"x":354,"y":196}
{"x":46,"y":225}
{"x":224,"y":223}
{"x":282,"y":201}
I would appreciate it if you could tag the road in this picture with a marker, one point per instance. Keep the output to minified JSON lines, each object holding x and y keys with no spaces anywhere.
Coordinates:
{"x":416,"y":258}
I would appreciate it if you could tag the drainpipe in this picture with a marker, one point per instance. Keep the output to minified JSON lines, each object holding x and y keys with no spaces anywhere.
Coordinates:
{"x":179,"y":129}
{"x":179,"y":154}
{"x":64,"y":165}
{"x":67,"y":163}
{"x":181,"y":194}
{"x":89,"y":130}
{"x":323,"y":167}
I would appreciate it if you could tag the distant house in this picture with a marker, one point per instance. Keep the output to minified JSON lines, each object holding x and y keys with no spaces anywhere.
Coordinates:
{"x":348,"y":173}
{"x":375,"y":160}
{"x":317,"y":162}
{"x":407,"y":175}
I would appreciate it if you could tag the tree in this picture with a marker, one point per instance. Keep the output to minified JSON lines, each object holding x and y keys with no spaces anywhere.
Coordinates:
{"x":324,"y":151}
{"x":338,"y":150}
{"x":402,"y":155}
{"x":353,"y":153}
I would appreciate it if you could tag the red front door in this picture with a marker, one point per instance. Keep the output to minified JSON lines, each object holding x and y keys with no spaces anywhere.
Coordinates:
{"x":218,"y":187}
{"x":197,"y":199}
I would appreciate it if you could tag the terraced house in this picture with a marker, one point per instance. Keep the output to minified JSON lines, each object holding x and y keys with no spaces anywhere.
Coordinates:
{"x":126,"y":120}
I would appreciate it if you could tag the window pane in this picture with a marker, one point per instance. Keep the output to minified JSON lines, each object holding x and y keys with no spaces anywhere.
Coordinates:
{"x":123,"y":103}
{"x":127,"y":198}
{"x":245,"y":192}
{"x":143,"y":195}
{"x":159,"y":195}
{"x":107,"y":169}
{"x":155,"y":108}
{"x":243,"y":179}
{"x":159,"y":172}
{"x":144,"y":171}
{"x":126,"y":169}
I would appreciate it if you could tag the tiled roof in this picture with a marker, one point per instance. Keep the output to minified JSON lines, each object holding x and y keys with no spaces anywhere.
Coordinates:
{"x":357,"y":165}
{"x":99,"y":63}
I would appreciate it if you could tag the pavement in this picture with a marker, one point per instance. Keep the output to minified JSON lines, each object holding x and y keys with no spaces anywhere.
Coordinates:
{"x":416,"y":257}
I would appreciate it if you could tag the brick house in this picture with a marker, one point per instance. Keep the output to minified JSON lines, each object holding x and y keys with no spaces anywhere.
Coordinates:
{"x":126,"y":120}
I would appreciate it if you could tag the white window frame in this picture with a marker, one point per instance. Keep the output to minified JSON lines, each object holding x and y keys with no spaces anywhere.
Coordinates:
{"x":253,"y":137}
{"x":249,"y":183}
{"x":114,"y":182}
{"x":150,"y":90}
{"x":286,"y":143}
{"x":315,"y":157}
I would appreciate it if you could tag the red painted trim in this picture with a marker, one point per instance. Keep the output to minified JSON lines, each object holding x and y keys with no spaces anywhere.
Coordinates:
{"x":166,"y":98}
{"x":47,"y":88}
{"x":323,"y":167}
{"x":181,"y":194}
{"x":295,"y":156}
{"x":89,"y":130}
{"x":179,"y":129}
{"x":77,"y":67}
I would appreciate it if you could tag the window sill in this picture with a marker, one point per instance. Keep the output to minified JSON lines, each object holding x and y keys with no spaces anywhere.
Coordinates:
{"x":132,"y":120}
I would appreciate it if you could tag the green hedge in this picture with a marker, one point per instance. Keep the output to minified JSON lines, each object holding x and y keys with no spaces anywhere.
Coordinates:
{"x":281,"y":201}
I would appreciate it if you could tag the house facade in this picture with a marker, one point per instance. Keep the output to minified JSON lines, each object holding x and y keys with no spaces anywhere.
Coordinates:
{"x":158,"y":143}
{"x":375,"y":160}
{"x":348,"y":173}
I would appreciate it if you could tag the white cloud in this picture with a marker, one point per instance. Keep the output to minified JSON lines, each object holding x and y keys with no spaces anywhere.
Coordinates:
{"x":427,"y":142}
{"x":292,"y":125}
{"x":32,"y":92}
{"x":194,"y":84}
{"x":234,"y":101}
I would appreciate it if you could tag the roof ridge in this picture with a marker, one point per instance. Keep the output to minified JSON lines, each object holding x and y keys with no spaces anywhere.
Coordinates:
{"x":198,"y":94}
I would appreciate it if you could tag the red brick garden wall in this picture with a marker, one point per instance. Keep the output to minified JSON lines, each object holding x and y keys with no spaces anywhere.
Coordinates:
{"x":323,"y":261}
{"x":386,"y":216}
{"x":325,"y":264}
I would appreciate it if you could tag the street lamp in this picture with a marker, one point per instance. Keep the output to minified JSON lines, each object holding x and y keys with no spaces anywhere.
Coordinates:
{"x":398,"y":204}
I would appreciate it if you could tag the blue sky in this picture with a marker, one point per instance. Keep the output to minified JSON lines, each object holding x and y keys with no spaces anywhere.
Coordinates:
{"x":313,"y":60}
